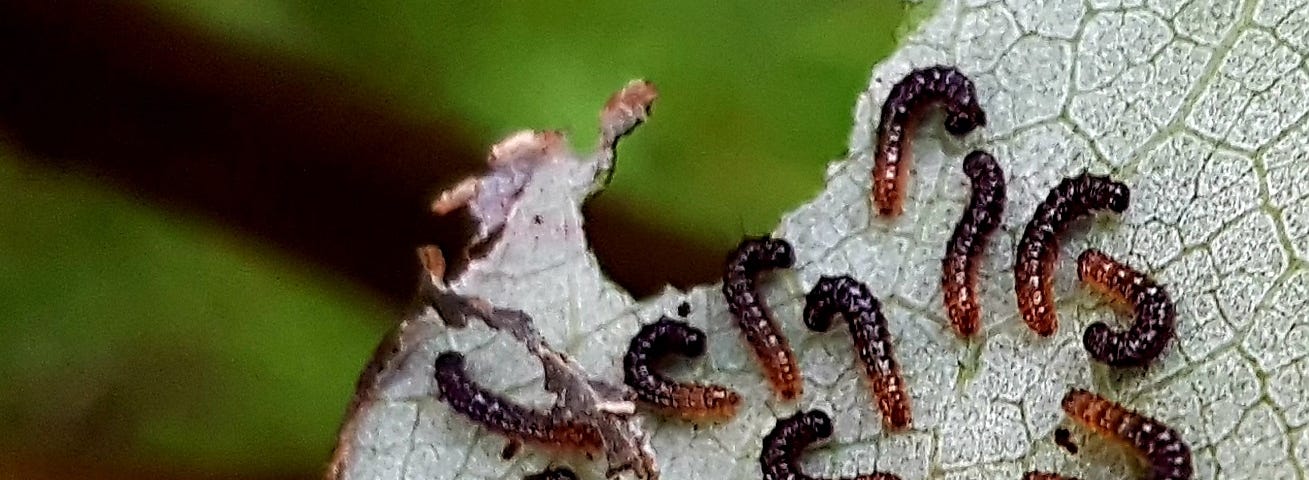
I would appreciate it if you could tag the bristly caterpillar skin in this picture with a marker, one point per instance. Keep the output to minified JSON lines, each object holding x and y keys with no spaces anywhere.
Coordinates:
{"x":770,"y":347}
{"x":691,"y":401}
{"x":506,"y":417}
{"x":1162,"y":447}
{"x":1156,"y":317}
{"x":903,"y":110}
{"x":779,"y":459}
{"x":851,"y":299}
{"x":963,"y":253}
{"x":1038,"y":249}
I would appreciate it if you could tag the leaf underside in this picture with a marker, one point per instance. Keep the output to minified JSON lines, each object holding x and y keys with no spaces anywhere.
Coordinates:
{"x":1198,"y":106}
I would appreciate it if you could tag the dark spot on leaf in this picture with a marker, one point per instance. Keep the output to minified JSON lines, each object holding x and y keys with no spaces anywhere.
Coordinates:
{"x":511,"y":449}
{"x":1064,"y":439}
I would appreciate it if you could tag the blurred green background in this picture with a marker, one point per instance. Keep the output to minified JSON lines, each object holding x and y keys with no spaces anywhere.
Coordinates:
{"x":208,"y":209}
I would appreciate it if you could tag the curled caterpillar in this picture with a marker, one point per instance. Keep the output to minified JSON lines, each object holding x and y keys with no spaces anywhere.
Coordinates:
{"x":907,"y":103}
{"x":771,"y":349}
{"x":1168,"y":456}
{"x":1038,"y":249}
{"x":850,"y":298}
{"x":780,"y":457}
{"x":963,"y":253}
{"x":504,"y":416}
{"x":1156,"y":317}
{"x":688,"y":400}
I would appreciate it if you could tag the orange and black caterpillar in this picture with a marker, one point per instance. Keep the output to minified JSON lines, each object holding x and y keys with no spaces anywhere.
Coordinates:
{"x":688,"y":400}
{"x":851,"y":299}
{"x":1038,"y":249}
{"x":504,"y":416}
{"x":905,"y":105}
{"x":1156,"y":317}
{"x":964,"y":251}
{"x":1168,"y":456}
{"x":780,"y":457}
{"x":771,"y":349}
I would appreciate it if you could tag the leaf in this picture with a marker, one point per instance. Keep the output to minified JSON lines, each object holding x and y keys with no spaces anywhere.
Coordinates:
{"x":1197,"y":106}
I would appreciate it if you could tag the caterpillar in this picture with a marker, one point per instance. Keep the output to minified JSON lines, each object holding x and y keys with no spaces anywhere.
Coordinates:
{"x":904,"y":106}
{"x":1038,"y":249}
{"x":850,"y":298}
{"x":779,"y":459}
{"x":504,"y":416}
{"x":1156,"y":317}
{"x":1162,"y":447}
{"x":687,"y":400}
{"x":964,"y":250}
{"x":751,"y":257}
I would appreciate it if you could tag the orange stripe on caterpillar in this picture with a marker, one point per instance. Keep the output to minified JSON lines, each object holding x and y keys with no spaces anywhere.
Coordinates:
{"x":771,"y":349}
{"x":692,"y":401}
{"x":908,"y":101}
{"x":1162,"y":447}
{"x":851,"y":299}
{"x":1156,"y":317}
{"x":506,"y":417}
{"x":1038,"y":249}
{"x":963,"y":253}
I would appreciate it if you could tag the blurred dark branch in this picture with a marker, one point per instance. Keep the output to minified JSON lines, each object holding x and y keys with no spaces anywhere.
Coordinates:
{"x":297,"y":156}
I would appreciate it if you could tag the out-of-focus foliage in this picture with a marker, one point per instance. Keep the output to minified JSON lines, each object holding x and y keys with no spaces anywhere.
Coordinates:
{"x":129,"y":333}
{"x":758,"y":93}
